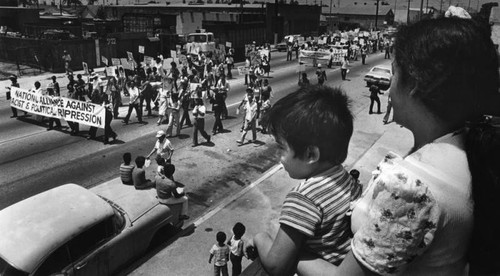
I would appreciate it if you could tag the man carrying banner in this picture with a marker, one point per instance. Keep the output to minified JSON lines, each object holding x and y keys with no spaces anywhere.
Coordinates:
{"x":72,"y":95}
{"x":13,"y":83}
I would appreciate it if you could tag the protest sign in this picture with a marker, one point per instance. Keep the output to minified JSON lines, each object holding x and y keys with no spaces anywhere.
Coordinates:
{"x":130,"y":55}
{"x":264,"y":53}
{"x":193,"y":86}
{"x":115,"y":61}
{"x":228,"y":44}
{"x":254,"y":58}
{"x":141,"y":49}
{"x":148,"y":60}
{"x":166,"y":63}
{"x":173,"y":54}
{"x":183,"y":60}
{"x":110,"y":71}
{"x":85,"y":68}
{"x":242,"y":70}
{"x":121,"y":71}
{"x":104,"y":60}
{"x":126,"y":65}
{"x":58,"y":107}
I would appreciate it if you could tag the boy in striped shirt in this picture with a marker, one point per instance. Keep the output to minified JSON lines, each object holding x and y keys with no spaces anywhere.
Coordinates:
{"x":313,"y":127}
{"x":126,"y":169}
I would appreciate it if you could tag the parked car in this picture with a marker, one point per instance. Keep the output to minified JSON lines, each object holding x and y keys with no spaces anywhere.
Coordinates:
{"x":71,"y":230}
{"x":380,"y":75}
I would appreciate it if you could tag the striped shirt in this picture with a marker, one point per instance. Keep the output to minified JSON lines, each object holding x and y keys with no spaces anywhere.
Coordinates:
{"x":318,"y":208}
{"x":126,"y":173}
{"x":221,"y":254}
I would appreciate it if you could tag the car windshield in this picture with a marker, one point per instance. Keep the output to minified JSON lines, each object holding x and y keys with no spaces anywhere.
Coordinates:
{"x":7,"y":270}
{"x":197,"y":38}
{"x":381,"y":70}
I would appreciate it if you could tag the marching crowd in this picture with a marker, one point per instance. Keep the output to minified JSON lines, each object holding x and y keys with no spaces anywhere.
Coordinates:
{"x":171,"y":93}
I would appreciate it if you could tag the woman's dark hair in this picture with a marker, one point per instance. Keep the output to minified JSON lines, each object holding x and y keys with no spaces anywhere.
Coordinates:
{"x":451,"y":62}
{"x":453,"y":66}
{"x":320,"y":111}
{"x":483,"y":153}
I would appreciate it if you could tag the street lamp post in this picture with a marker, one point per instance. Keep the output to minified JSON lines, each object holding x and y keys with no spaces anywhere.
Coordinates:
{"x":408,"y":13}
{"x":376,"y":16}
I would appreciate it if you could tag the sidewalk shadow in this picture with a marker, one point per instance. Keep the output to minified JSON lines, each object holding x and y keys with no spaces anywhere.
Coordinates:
{"x":197,"y":199}
{"x":183,"y":136}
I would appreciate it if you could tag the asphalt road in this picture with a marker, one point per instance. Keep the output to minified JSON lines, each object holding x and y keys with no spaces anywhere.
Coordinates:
{"x":33,"y":160}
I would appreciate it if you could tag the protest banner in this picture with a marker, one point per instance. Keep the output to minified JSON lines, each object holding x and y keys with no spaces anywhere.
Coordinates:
{"x":110,"y":71}
{"x":314,"y":57}
{"x":59,"y":107}
{"x":85,"y":68}
{"x":115,"y":61}
{"x":104,"y":60}
{"x":173,"y":54}
{"x":141,"y":49}
{"x":228,"y":44}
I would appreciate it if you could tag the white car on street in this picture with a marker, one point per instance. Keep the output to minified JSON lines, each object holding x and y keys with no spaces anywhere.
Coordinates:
{"x":379,"y":75}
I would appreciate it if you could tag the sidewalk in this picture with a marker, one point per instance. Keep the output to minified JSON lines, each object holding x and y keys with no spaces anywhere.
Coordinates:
{"x":258,"y":205}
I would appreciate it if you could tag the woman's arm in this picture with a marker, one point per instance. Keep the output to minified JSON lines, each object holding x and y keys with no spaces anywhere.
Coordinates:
{"x":313,"y":266}
{"x":279,"y":257}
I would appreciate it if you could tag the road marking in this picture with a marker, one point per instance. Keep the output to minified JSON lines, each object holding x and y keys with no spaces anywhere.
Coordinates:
{"x":226,"y":202}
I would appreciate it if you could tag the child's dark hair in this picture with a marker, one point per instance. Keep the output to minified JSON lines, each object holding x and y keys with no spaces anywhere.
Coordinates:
{"x":169,"y":170}
{"x":127,"y":158}
{"x":139,"y":161}
{"x":160,"y":160}
{"x":221,"y":237}
{"x":239,"y":230}
{"x":354,"y":173}
{"x":313,"y":116}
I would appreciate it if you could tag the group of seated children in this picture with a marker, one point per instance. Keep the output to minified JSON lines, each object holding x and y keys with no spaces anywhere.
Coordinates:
{"x":166,"y":188}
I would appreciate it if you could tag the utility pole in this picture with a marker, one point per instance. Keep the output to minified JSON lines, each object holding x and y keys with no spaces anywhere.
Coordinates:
{"x":408,"y":13}
{"x":421,"y":8}
{"x":376,"y":16}
{"x":468,"y":7}
{"x":441,"y":6}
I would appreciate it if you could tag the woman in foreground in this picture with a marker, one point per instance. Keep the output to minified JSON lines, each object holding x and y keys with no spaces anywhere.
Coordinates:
{"x":434,"y":211}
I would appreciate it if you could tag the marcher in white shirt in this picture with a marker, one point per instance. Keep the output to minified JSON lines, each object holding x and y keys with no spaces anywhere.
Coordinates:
{"x":199,"y":112}
{"x":134,"y":103}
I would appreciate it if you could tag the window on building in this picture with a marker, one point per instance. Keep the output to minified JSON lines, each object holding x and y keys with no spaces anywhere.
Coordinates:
{"x":192,"y":17}
{"x":231,"y":17}
{"x":217,"y":17}
{"x":204,"y":16}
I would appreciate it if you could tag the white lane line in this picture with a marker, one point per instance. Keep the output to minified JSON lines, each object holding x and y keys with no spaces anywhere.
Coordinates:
{"x":226,"y":202}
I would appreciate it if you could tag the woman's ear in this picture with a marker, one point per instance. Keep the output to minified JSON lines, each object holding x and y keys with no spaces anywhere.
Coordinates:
{"x":312,"y":154}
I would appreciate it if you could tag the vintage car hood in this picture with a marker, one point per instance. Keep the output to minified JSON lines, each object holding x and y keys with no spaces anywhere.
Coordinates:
{"x":34,"y":227}
{"x":134,"y":202}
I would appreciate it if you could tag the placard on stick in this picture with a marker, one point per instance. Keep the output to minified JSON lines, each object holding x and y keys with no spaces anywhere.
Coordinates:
{"x":115,"y":61}
{"x":130,"y":56}
{"x":104,"y":60}
{"x":141,"y":49}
